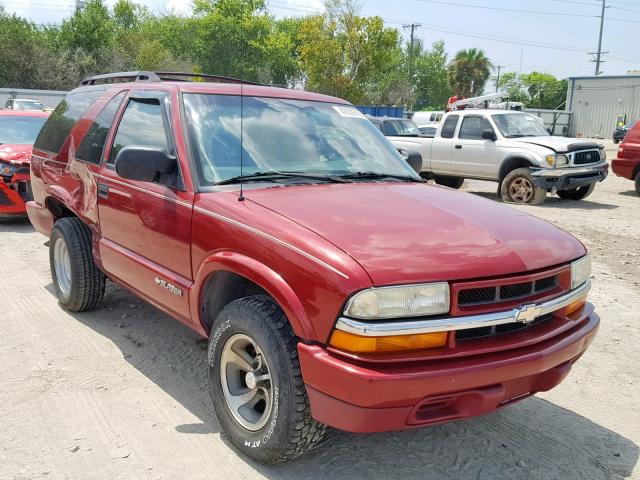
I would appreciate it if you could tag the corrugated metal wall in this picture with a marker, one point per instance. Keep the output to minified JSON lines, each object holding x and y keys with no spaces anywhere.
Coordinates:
{"x":596,"y":101}
{"x":51,"y":98}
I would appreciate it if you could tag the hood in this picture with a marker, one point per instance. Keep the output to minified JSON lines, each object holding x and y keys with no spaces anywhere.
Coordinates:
{"x":15,"y":154}
{"x":410,"y":233}
{"x":558,"y":144}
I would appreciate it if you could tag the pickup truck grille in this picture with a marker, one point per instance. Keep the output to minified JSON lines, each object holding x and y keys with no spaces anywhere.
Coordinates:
{"x":586,"y":156}
{"x":502,"y":293}
{"x":473,"y":333}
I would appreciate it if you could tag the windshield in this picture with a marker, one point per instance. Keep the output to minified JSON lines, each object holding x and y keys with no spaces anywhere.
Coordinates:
{"x":284,"y":135}
{"x":519,"y":125}
{"x":27,"y":105}
{"x":401,"y":128}
{"x":20,"y":130}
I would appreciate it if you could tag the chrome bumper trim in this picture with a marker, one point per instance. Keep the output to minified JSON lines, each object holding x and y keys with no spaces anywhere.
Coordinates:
{"x":524,"y":314}
{"x":562,"y":171}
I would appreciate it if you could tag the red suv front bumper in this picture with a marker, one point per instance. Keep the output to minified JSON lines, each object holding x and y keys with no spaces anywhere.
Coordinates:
{"x":11,"y":202}
{"x":361,"y":397}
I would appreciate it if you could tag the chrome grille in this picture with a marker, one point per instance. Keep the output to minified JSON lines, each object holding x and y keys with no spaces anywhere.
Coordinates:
{"x":586,"y":156}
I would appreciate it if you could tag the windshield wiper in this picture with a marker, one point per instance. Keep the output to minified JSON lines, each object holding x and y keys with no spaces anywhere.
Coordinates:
{"x":270,"y":175}
{"x":377,"y":175}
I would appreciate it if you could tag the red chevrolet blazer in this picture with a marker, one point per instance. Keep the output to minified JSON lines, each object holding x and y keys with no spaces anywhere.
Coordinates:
{"x":18,"y":130}
{"x":336,"y":287}
{"x":627,"y":164}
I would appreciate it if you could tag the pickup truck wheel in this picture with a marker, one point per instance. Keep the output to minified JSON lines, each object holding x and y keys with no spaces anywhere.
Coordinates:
{"x":518,"y":187}
{"x":255,"y":382}
{"x":78,"y":282}
{"x":451,"y":182}
{"x":577,"y":193}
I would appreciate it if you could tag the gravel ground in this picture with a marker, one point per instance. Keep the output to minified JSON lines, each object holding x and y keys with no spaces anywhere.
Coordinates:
{"x":120,"y":393}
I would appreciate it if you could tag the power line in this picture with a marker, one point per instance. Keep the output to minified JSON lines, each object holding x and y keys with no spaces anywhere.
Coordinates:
{"x":511,"y":10}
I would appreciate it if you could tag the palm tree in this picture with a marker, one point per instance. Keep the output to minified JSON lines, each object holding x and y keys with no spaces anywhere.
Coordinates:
{"x":468,"y":72}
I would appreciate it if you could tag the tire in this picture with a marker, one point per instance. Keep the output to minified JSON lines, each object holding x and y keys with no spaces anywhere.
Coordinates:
{"x":637,"y":181}
{"x":616,"y":141}
{"x":78,"y":282}
{"x":278,"y":427}
{"x":579,"y":193}
{"x":451,"y":182}
{"x":517,"y":187}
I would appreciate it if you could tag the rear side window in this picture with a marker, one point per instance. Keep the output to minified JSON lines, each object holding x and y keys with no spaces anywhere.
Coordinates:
{"x":449,"y":126}
{"x":63,"y":118}
{"x":472,"y":128}
{"x":92,"y":145}
{"x":141,"y":125}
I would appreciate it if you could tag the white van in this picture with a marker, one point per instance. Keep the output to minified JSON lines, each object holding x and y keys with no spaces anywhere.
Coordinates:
{"x":426,"y":118}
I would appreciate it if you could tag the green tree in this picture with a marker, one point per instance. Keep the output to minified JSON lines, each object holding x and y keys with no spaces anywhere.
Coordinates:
{"x":468,"y":72}
{"x":344,"y":54}
{"x":535,"y":89}
{"x":432,"y":85}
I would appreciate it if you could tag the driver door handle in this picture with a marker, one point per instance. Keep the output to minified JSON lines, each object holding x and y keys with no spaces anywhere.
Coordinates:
{"x":458,"y":146}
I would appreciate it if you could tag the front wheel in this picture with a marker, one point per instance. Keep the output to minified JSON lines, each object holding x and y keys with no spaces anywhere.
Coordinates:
{"x":255,"y":382}
{"x":451,"y":182}
{"x":578,"y":193}
{"x":518,"y":187}
{"x":638,"y":183}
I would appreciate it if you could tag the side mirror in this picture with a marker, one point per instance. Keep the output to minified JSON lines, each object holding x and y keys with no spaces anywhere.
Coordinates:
{"x":414,"y":159}
{"x":489,"y":135}
{"x":145,"y":164}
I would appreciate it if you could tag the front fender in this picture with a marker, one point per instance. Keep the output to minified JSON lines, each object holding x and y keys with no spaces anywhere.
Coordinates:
{"x":261,"y":275}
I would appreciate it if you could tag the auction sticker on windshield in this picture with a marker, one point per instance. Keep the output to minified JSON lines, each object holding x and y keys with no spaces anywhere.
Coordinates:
{"x":348,"y":111}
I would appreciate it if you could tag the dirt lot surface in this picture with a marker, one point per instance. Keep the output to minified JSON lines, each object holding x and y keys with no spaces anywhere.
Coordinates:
{"x":120,"y":393}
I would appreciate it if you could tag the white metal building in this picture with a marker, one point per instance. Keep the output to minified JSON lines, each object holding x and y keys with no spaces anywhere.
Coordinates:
{"x":596,"y":102}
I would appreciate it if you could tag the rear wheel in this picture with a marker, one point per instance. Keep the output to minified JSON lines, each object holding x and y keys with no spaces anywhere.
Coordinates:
{"x":518,"y":187}
{"x":451,"y":182}
{"x":638,"y":183}
{"x":578,"y":193}
{"x":78,"y":282}
{"x":255,"y":382}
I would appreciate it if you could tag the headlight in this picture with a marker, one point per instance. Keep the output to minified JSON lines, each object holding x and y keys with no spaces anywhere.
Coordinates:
{"x":580,"y":271}
{"x":6,"y":170}
{"x":557,"y":160}
{"x":395,"y":302}
{"x":603,"y":154}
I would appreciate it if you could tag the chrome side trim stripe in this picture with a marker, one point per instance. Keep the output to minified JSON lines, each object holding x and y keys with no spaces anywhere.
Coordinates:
{"x":523,"y":314}
{"x":270,"y":237}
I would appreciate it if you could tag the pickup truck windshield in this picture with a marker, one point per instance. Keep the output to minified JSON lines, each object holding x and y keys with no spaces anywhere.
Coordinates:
{"x":284,"y":135}
{"x":513,"y":125}
{"x":20,"y":130}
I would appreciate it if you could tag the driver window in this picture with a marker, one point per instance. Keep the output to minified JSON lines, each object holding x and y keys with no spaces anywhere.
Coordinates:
{"x":472,"y":128}
{"x":141,"y":125}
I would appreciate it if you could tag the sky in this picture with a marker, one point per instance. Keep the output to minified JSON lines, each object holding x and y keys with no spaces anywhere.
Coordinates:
{"x":552,"y":36}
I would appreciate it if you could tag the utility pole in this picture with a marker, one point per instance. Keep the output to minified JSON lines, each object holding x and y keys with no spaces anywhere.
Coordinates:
{"x":413,"y":27}
{"x":599,"y":53}
{"x":498,"y":67}
{"x":80,"y":4}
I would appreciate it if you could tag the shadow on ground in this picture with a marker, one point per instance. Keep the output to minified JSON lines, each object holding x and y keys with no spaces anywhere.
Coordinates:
{"x":554,"y":202}
{"x":531,"y":439}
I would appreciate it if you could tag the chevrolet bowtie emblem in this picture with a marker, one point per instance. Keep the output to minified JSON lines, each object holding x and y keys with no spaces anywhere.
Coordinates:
{"x":528,"y":313}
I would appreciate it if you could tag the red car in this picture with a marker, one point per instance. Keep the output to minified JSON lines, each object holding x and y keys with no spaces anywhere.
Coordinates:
{"x":335,"y":286}
{"x":627,"y":164}
{"x":18,"y":130}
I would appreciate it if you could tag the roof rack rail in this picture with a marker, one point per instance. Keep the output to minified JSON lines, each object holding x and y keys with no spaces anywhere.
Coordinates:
{"x":143,"y":76}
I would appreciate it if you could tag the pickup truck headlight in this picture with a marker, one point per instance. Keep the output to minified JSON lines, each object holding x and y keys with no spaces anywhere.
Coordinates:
{"x":402,"y":301}
{"x":557,"y":160}
{"x":603,"y":154}
{"x":6,"y":170}
{"x":580,"y":271}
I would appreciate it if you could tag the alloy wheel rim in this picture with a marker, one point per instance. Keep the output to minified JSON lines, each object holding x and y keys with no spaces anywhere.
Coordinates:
{"x":246,"y":382}
{"x":521,"y":190}
{"x":62,"y":265}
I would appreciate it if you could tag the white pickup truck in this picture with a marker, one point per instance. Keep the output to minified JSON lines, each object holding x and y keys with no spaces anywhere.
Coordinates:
{"x":509,"y":147}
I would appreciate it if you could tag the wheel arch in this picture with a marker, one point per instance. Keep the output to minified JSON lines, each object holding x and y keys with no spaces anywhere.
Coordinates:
{"x":636,"y":171}
{"x":226,"y":276}
{"x":512,"y":163}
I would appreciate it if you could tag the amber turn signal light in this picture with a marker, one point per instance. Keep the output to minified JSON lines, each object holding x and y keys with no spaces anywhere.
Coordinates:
{"x":575,"y":306}
{"x":350,"y":342}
